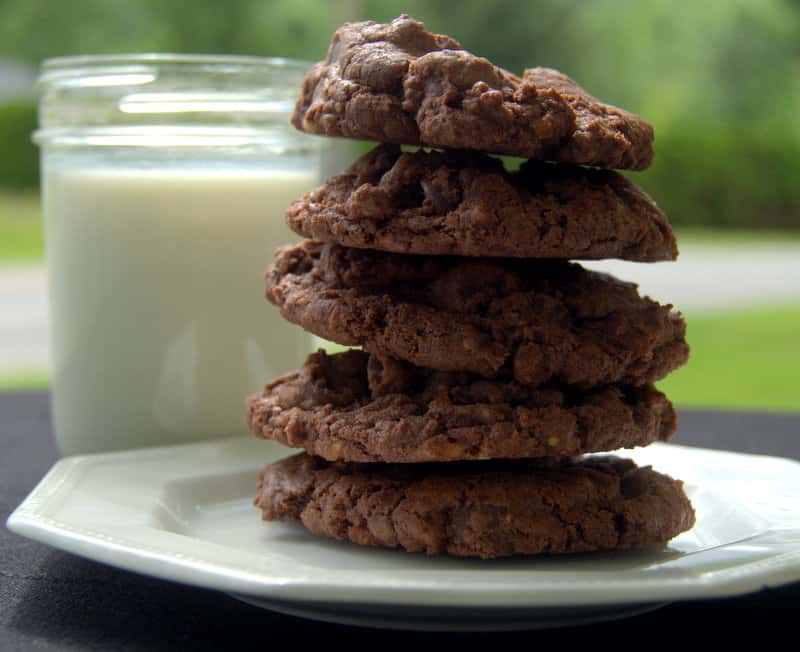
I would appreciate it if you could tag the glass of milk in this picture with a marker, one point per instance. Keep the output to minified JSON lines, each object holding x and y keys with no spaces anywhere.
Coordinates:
{"x":165,"y":179}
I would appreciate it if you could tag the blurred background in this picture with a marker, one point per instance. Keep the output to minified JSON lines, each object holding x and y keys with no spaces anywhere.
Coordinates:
{"x":720,"y":81}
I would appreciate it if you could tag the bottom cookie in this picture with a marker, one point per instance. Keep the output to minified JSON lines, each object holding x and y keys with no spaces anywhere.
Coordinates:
{"x":479,"y":509}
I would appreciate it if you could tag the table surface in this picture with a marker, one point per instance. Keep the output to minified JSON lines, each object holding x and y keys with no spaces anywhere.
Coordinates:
{"x":51,"y":600}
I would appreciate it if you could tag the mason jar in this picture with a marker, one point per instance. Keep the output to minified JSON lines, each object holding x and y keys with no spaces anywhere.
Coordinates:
{"x":165,"y":179}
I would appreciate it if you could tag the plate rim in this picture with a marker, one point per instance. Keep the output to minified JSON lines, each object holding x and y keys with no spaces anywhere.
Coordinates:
{"x":29,"y":521}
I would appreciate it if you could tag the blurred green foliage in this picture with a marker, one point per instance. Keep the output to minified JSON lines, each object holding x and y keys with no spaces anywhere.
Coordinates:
{"x":19,"y":160}
{"x":720,"y":79}
{"x":36,"y":29}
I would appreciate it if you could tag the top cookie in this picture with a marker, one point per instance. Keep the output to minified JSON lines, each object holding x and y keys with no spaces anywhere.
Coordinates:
{"x":397,"y":83}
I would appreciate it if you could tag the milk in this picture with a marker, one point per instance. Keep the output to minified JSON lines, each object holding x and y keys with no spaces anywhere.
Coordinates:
{"x":159,"y":326}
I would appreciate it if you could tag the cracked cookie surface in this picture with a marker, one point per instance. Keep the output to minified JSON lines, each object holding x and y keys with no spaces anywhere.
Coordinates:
{"x":537,"y":322}
{"x":486,"y":509}
{"x":467,"y":204}
{"x":397,"y":83}
{"x":357,"y":407}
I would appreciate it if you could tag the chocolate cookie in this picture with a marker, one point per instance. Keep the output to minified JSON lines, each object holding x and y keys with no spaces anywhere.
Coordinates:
{"x":397,"y":83}
{"x":466,"y":204}
{"x":357,"y":407}
{"x":536,"y":321}
{"x":486,"y":509}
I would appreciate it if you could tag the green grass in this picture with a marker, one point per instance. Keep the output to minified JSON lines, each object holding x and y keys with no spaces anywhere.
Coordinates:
{"x":748,"y":360}
{"x":21,"y":233}
{"x":17,"y":382}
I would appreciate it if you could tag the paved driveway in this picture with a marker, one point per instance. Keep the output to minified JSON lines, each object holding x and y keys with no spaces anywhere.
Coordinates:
{"x":23,"y":319}
{"x":714,"y":278}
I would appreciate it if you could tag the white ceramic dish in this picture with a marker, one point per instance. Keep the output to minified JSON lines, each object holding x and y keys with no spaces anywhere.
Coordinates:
{"x":184,"y":513}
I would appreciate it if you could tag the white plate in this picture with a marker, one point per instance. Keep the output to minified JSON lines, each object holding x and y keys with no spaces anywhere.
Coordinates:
{"x":184,"y":513}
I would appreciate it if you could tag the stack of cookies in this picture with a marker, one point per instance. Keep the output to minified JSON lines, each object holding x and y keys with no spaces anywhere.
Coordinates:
{"x":489,"y":363}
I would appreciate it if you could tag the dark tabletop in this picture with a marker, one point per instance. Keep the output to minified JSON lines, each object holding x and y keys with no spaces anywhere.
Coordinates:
{"x":50,"y":600}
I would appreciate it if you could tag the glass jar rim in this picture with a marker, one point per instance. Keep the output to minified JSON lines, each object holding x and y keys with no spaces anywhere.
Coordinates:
{"x":84,"y":61}
{"x":159,"y":98}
